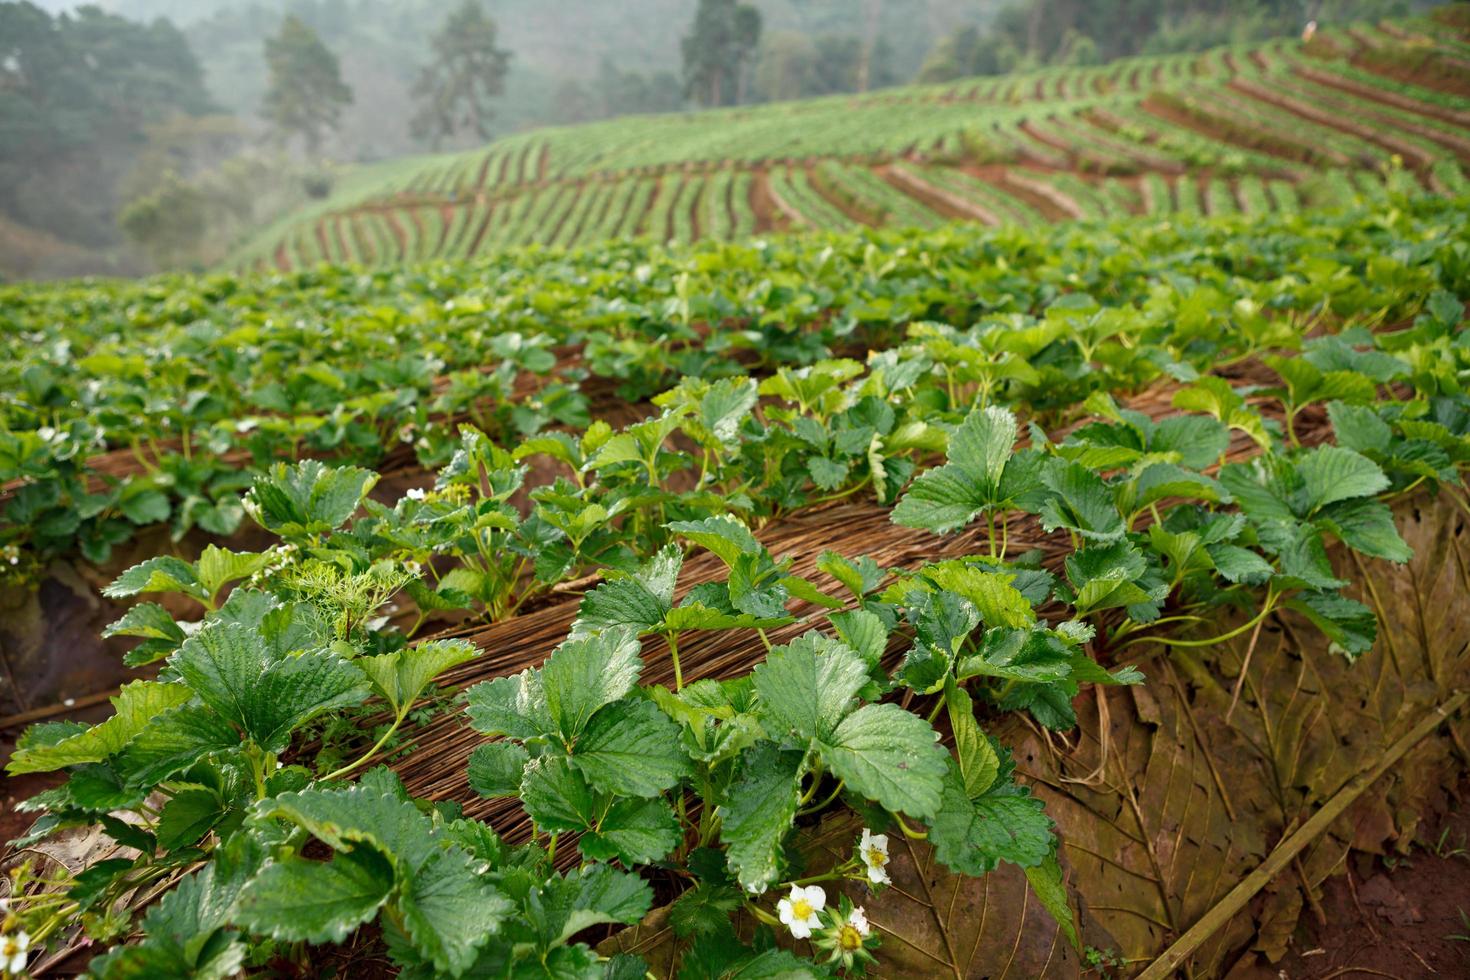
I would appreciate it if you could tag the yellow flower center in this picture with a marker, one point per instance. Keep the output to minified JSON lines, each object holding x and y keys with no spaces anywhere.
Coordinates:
{"x":849,"y":938}
{"x":801,"y":909}
{"x":9,"y":947}
{"x":877,"y":858}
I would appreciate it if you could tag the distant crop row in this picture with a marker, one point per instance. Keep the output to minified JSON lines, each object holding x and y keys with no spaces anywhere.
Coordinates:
{"x":1275,"y":125}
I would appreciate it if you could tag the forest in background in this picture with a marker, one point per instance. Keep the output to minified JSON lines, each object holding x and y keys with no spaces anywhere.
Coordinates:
{"x":164,"y":150}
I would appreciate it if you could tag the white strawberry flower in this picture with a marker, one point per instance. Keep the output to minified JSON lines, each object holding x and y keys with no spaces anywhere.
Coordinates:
{"x":13,"y":951}
{"x":416,"y":493}
{"x":854,"y":930}
{"x":873,"y":851}
{"x":799,"y":909}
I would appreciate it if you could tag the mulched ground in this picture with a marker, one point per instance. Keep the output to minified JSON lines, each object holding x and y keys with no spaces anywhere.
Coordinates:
{"x":1405,"y":917}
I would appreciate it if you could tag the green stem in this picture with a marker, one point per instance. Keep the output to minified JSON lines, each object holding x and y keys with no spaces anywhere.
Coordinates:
{"x":844,"y":493}
{"x":362,"y":760}
{"x":674,"y":656}
{"x":1212,"y":641}
{"x":765,"y":639}
{"x":829,"y":798}
{"x":810,"y":790}
{"x":811,"y":880}
{"x":908,"y":831}
{"x":762,"y":914}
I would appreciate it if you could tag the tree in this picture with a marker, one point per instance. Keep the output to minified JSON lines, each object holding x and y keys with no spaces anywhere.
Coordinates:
{"x":784,"y":69}
{"x":306,"y":94}
{"x":626,"y":92}
{"x":77,"y":93}
{"x":717,"y":49}
{"x":466,"y":72}
{"x":169,"y":222}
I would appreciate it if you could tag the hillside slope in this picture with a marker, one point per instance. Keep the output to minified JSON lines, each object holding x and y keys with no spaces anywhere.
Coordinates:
{"x":1264,"y":127}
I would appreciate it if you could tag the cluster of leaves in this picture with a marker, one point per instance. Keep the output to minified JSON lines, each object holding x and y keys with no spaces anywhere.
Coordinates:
{"x":194,"y":385}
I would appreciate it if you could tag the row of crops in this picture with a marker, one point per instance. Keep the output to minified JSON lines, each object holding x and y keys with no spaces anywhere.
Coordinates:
{"x":1036,"y":460}
{"x":1098,"y":139}
{"x":830,"y":196}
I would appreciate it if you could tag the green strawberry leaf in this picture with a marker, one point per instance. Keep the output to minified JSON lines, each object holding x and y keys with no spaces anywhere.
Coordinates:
{"x":891,"y":755}
{"x":230,"y":669}
{"x":162,"y":574}
{"x":296,"y":900}
{"x":1350,"y":625}
{"x":496,"y":769}
{"x":1080,"y":502}
{"x":992,"y":594}
{"x":174,"y":741}
{"x":631,"y":748}
{"x":188,"y":816}
{"x":450,"y":911}
{"x":1365,"y":526}
{"x":634,"y":831}
{"x":972,"y":836}
{"x":758,"y":811}
{"x":307,"y":498}
{"x":1050,"y":888}
{"x":722,"y":534}
{"x":584,"y":674}
{"x":514,"y":706}
{"x":639,"y":600}
{"x":808,"y":685}
{"x":1359,"y":428}
{"x":979,"y":763}
{"x":1332,"y":473}
{"x":135,"y":706}
{"x":401,"y":676}
{"x":982,"y":473}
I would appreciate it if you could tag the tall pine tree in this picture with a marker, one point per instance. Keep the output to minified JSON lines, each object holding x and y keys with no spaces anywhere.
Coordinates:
{"x":717,"y":49}
{"x":466,"y":72}
{"x":306,"y":94}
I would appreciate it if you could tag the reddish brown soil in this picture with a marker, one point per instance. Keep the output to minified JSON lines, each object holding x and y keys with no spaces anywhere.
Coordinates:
{"x":321,"y":241}
{"x":474,"y":248}
{"x":342,"y":252}
{"x":446,"y":222}
{"x":695,"y":206}
{"x":1335,"y":119}
{"x":948,"y":206}
{"x":482,"y":172}
{"x":768,"y":217}
{"x":1066,"y":149}
{"x":1389,"y":917}
{"x":1384,"y":96}
{"x":365,"y":250}
{"x":400,"y":237}
{"x":819,"y":188}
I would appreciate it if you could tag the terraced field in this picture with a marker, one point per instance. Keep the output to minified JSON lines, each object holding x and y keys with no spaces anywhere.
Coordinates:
{"x":1269,"y":126}
{"x":939,"y":600}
